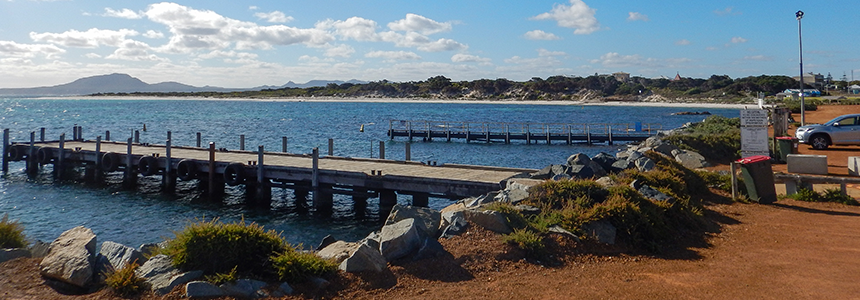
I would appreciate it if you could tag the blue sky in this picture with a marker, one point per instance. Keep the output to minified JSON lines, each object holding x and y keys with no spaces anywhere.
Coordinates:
{"x":253,"y":43}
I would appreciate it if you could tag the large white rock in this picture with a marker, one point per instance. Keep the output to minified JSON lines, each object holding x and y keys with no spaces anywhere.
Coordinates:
{"x":162,"y":277}
{"x":337,"y":251}
{"x":399,"y":239}
{"x":364,"y":258}
{"x":120,"y":255}
{"x":71,"y":257}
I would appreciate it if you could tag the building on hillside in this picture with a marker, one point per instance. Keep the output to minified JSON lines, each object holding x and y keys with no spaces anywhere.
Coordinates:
{"x":854,"y":89}
{"x":622,"y":77}
{"x":814,"y":80}
{"x":677,"y":77}
{"x":806,"y":92}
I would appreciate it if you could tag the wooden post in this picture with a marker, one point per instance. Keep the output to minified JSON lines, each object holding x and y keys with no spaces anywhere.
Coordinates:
{"x":487,"y":127}
{"x":168,"y":178}
{"x":408,"y":152}
{"x":409,"y":130}
{"x":507,"y":134}
{"x":198,"y":140}
{"x":315,"y":181}
{"x":211,"y":185}
{"x":391,"y":129}
{"x":381,"y":149}
{"x":588,"y":134}
{"x":359,"y":201}
{"x":32,"y":164}
{"x":107,"y":135}
{"x":734,"y":170}
{"x":387,"y":200}
{"x":60,"y":164}
{"x":447,"y":132}
{"x":98,"y":173}
{"x":468,"y":132}
{"x":137,"y":136}
{"x":284,"y":144}
{"x":429,"y":136}
{"x":610,"y":134}
{"x":546,"y":130}
{"x":330,"y":147}
{"x":42,"y":134}
{"x":75,"y":132}
{"x":5,"y":150}
{"x":569,"y":136}
{"x":80,"y":133}
{"x":420,"y":199}
{"x":528,"y":135}
{"x":129,"y":176}
{"x":263,"y":195}
{"x":242,"y":142}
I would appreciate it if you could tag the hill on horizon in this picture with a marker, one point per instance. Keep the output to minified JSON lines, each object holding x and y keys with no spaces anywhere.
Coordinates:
{"x":124,"y":83}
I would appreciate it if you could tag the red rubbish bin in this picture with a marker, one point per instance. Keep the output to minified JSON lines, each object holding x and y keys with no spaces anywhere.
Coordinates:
{"x":758,"y":178}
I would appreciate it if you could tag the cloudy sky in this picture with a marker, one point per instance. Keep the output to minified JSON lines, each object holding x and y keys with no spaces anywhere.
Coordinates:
{"x":253,"y":43}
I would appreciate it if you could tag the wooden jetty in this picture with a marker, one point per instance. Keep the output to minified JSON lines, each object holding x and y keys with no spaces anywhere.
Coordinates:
{"x":258,"y":171}
{"x":528,"y":132}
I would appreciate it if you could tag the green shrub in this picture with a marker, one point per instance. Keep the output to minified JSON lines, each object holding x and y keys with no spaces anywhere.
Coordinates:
{"x":717,"y":138}
{"x":295,"y":266}
{"x":220,"y":278}
{"x":11,"y":233}
{"x":124,"y":281}
{"x":836,"y":195}
{"x":527,"y":240}
{"x":804,"y":194}
{"x":215,"y":247}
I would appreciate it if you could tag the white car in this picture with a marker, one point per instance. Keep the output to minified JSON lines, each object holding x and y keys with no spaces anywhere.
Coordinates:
{"x":842,"y":130}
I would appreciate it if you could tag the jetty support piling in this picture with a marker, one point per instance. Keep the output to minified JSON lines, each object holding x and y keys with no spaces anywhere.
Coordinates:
{"x":42,"y":134}
{"x":32,"y":164}
{"x":359,"y":201}
{"x":242,"y":142}
{"x":324,"y":199}
{"x":408,"y":152}
{"x":60,"y":163}
{"x":284,"y":144}
{"x":330,"y":147}
{"x":263,"y":195}
{"x":129,"y":177}
{"x":387,"y":200}
{"x":420,"y":199}
{"x":168,"y":178}
{"x":98,"y":174}
{"x":80,"y":133}
{"x":211,"y":186}
{"x":381,"y":149}
{"x":5,"y":150}
{"x":137,"y":136}
{"x":107,"y":135}
{"x":198,"y":140}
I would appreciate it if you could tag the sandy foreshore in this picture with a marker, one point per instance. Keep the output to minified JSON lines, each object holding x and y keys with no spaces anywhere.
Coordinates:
{"x":422,"y":100}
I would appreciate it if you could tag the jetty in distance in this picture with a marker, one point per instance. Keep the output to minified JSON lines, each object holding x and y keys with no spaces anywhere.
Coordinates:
{"x":258,"y":171}
{"x":487,"y":132}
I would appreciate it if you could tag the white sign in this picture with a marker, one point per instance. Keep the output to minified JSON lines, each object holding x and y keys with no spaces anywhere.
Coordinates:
{"x":754,"y":139}
{"x":754,"y":117}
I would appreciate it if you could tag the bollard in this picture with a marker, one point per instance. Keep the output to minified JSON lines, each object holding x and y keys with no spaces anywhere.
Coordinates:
{"x":381,"y":149}
{"x":198,"y":140}
{"x":32,"y":165}
{"x":42,"y":134}
{"x":168,"y":178}
{"x":137,"y":136}
{"x":58,"y":165}
{"x":97,"y":175}
{"x":80,"y":133}
{"x":330,"y":147}
{"x":107,"y":135}
{"x":284,"y":144}
{"x":211,"y":169}
{"x":242,"y":142}
{"x":75,"y":132}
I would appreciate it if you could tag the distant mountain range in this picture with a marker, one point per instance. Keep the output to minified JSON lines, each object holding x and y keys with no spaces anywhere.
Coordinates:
{"x":123,"y":83}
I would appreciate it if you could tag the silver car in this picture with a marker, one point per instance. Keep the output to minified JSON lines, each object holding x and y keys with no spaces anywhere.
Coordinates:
{"x":842,"y":130}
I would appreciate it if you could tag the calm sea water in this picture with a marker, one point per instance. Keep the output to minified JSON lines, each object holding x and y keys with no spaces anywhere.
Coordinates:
{"x":46,"y":208}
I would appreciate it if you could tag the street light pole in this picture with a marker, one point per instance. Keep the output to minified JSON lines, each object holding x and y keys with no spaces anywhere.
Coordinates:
{"x":799,"y":16}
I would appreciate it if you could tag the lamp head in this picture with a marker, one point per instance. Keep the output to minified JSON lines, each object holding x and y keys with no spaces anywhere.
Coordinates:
{"x":799,"y":14}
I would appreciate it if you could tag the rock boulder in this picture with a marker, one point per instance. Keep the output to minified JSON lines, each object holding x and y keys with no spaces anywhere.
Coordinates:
{"x":71,"y":257}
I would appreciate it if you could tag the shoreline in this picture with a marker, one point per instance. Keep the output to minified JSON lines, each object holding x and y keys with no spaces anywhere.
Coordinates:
{"x":421,"y":100}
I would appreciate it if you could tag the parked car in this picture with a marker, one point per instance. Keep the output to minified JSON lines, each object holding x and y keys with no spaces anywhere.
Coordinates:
{"x":842,"y":130}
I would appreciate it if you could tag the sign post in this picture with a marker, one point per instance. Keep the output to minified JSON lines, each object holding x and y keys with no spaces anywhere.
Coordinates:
{"x":754,"y":140}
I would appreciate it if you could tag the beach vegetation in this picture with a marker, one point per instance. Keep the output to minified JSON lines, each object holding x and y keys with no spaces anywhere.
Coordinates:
{"x":717,"y":137}
{"x":292,"y":265}
{"x":829,"y":195}
{"x":11,"y":233}
{"x":125,"y":281}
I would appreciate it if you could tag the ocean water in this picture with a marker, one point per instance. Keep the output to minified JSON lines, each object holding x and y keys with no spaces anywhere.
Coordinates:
{"x":47,"y":208}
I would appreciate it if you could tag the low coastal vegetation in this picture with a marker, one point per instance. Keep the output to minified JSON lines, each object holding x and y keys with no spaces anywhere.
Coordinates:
{"x":124,"y":281}
{"x":11,"y":233}
{"x":716,"y":137}
{"x":829,"y":195}
{"x":642,"y":224}
{"x":717,"y":88}
{"x":224,"y":251}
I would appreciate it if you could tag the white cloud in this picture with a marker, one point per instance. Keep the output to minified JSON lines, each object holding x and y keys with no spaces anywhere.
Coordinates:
{"x":682,"y":42}
{"x":540,"y":35}
{"x":206,"y":30}
{"x":356,"y":28}
{"x":274,"y":17}
{"x":615,"y":60}
{"x":738,"y":40}
{"x":460,"y":58}
{"x":418,"y":23}
{"x":91,"y":38}
{"x":153,"y":34}
{"x":228,"y":54}
{"x":758,"y":58}
{"x":92,"y":55}
{"x":124,"y":13}
{"x":711,"y":48}
{"x":253,"y":7}
{"x":393,"y":55}
{"x":635,"y":16}
{"x":578,"y":15}
{"x":544,"y":52}
{"x":342,"y":50}
{"x":16,"y":50}
{"x":135,"y":51}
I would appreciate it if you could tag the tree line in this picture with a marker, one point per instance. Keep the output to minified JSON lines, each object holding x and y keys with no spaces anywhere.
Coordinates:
{"x":552,"y":88}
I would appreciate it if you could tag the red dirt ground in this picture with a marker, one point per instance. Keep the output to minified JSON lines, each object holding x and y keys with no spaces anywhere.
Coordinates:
{"x":788,"y":250}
